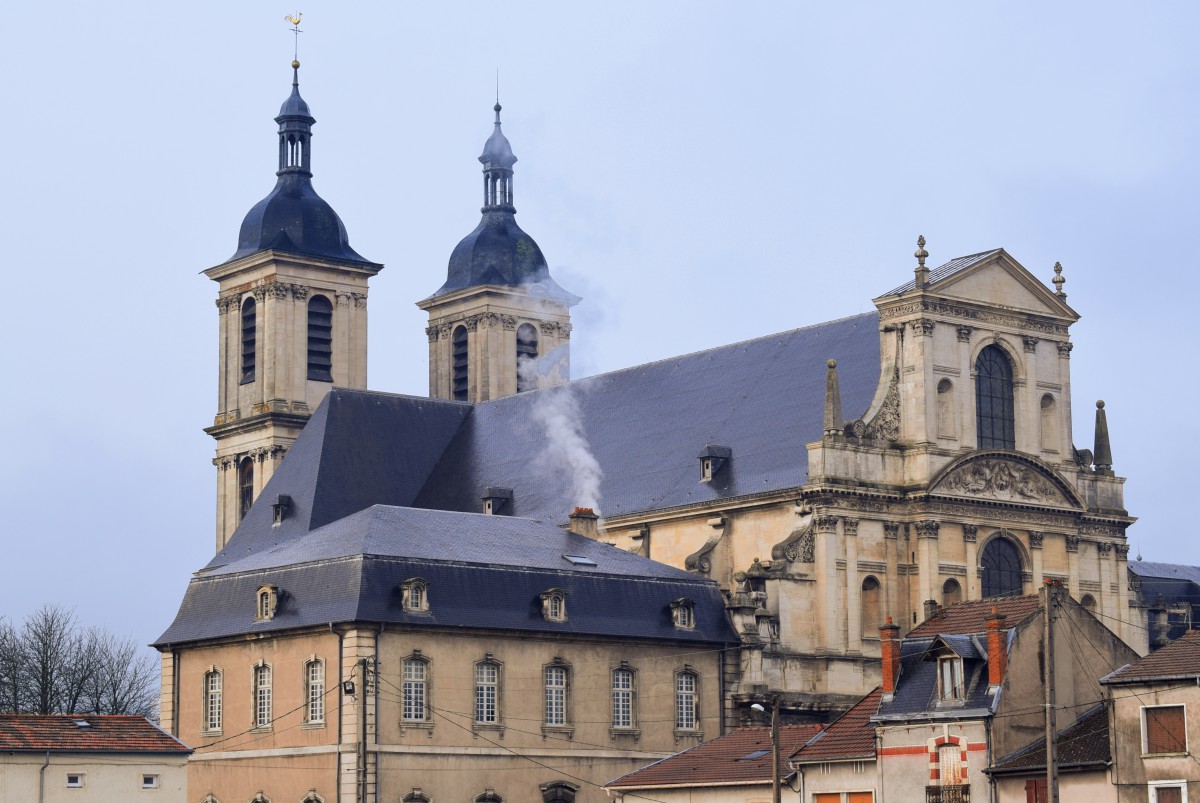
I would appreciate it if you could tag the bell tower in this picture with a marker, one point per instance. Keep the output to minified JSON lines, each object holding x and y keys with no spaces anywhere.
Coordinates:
{"x":500,"y":324}
{"x":292,"y":307}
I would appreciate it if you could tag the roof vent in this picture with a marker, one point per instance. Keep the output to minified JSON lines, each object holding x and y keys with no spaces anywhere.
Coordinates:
{"x":280,"y":508}
{"x":712,"y":459}
{"x":496,"y":500}
{"x":82,"y":723}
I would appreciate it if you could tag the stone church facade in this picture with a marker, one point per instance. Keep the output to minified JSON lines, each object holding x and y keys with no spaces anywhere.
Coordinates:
{"x":761,"y":507}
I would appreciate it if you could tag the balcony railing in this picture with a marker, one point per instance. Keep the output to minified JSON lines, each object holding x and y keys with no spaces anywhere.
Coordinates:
{"x":948,"y":794}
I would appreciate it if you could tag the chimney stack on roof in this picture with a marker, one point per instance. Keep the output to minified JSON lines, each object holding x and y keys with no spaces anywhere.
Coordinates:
{"x":889,"y":641}
{"x":585,"y":522}
{"x":997,"y":647}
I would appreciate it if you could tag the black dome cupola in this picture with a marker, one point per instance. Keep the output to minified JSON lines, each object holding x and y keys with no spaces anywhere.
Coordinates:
{"x":293,"y":217}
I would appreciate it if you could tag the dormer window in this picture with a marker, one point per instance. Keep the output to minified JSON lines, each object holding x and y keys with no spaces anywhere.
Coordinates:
{"x":416,"y":594}
{"x":280,"y":507}
{"x":266,"y":601}
{"x":683,"y":613}
{"x":712,"y":460}
{"x":950,"y":679}
{"x":554,"y":605}
{"x":496,"y":500}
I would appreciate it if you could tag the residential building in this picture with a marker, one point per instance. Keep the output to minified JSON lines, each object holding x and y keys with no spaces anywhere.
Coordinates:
{"x":1155,"y":704}
{"x":839,"y":765}
{"x":1083,"y":757}
{"x":55,"y":758}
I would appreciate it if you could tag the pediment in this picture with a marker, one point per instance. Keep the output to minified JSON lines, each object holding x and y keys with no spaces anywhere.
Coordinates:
{"x":1002,"y":281}
{"x":1006,"y":477}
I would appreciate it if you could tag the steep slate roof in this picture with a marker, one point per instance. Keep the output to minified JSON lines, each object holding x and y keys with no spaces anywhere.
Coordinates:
{"x":850,"y":736}
{"x":1176,"y":661}
{"x":482,"y":572}
{"x":949,"y":269}
{"x":1081,"y":745}
{"x":722,"y":761}
{"x":103,"y":734}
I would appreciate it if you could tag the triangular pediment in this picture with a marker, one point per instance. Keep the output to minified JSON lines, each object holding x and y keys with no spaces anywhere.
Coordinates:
{"x":999,"y":280}
{"x":1005,"y":477}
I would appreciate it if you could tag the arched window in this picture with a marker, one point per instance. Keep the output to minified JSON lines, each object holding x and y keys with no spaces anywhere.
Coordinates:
{"x":559,"y":792}
{"x":1088,"y":602}
{"x":212,"y":700}
{"x":947,"y":415}
{"x":314,"y":683}
{"x":1049,"y":424}
{"x":489,"y":796}
{"x":460,"y":363}
{"x":416,"y":796}
{"x":249,"y":340}
{"x":870,"y":605}
{"x":687,"y":709}
{"x":414,"y":673}
{"x":262,"y":696}
{"x":994,"y":400}
{"x":320,"y":339}
{"x":415,"y":594}
{"x":951,"y":592}
{"x":527,"y":352}
{"x":557,"y":676}
{"x":487,"y":693}
{"x":245,"y":486}
{"x":1001,"y":563}
{"x":624,"y":712}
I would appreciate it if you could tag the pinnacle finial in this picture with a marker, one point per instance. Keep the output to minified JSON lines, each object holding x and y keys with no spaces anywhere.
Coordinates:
{"x":921,"y":254}
{"x":1058,"y":281}
{"x":1103,"y":450}
{"x":833,"y":401}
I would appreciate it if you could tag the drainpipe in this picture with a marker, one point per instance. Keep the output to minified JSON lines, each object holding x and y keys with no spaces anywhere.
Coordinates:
{"x":42,"y":779}
{"x":337,"y":764}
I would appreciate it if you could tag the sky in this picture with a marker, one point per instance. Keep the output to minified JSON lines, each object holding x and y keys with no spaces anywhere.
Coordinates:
{"x":700,"y":173}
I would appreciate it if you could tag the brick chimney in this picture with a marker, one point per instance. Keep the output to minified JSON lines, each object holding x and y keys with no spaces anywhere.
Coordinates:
{"x":585,"y":522}
{"x":997,"y":647}
{"x":889,"y":642}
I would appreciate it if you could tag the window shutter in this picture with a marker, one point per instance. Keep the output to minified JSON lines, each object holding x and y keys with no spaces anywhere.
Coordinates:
{"x":1035,"y":792}
{"x":1165,"y":730}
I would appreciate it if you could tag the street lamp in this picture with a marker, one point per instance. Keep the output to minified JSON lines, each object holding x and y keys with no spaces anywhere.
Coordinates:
{"x":775,"y":791}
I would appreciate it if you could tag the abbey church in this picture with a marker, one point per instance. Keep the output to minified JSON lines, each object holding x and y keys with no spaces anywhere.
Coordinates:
{"x":523,"y":586}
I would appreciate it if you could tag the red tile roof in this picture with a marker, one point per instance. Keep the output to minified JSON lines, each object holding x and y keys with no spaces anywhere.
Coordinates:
{"x":1179,"y":659}
{"x":102,"y":734}
{"x":971,"y":617}
{"x":852,"y":735}
{"x":721,"y":761}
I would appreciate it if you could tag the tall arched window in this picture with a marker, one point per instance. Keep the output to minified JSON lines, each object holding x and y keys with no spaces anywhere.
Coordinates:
{"x":624,"y":711}
{"x":556,"y":695}
{"x":527,"y":351}
{"x":262,"y":696}
{"x":1049,"y":424}
{"x":415,"y":689}
{"x":245,"y":486}
{"x":687,"y":714}
{"x":994,"y":400}
{"x":320,"y":339}
{"x":212,"y":700}
{"x":314,"y":686}
{"x":947,"y":415}
{"x":870,"y":606}
{"x":951,"y":592}
{"x":460,"y":363}
{"x":487,"y":693}
{"x":249,"y":340}
{"x":1001,"y":564}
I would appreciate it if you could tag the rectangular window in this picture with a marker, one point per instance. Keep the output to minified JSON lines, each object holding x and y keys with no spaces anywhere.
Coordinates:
{"x":950,"y":678}
{"x":1164,"y":729}
{"x":149,"y":781}
{"x":487,"y":692}
{"x":316,"y":691}
{"x":685,"y":701}
{"x":622,"y":698}
{"x":212,"y":701}
{"x":1035,"y":792}
{"x":74,"y":780}
{"x":556,"y":695}
{"x":1169,"y":792}
{"x":413,"y":688}
{"x":262,"y":696}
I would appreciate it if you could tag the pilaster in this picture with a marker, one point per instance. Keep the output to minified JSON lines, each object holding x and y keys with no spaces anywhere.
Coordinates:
{"x":971,"y":544}
{"x":853,"y":587}
{"x":832,"y":635}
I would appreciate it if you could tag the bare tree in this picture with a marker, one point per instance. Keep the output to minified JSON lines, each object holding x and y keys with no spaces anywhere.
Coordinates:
{"x":53,"y":666}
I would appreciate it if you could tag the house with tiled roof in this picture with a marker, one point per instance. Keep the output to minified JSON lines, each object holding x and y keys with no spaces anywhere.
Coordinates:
{"x":734,"y":768}
{"x":1082,"y":755}
{"x":1155,"y":703}
{"x":964,"y":688}
{"x":838,"y":764}
{"x":89,"y":758}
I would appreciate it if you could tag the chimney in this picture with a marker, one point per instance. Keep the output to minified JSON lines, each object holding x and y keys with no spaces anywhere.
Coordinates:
{"x":932,"y":609}
{"x":889,"y":642}
{"x":997,"y":647}
{"x":585,"y":522}
{"x":1103,"y":451}
{"x":833,"y":401}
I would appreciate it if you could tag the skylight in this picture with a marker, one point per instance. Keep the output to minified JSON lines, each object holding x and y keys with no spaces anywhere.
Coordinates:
{"x":579,"y":560}
{"x":754,"y":755}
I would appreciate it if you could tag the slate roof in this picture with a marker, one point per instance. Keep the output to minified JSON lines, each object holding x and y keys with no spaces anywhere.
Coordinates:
{"x":483,"y":572}
{"x":722,"y":761}
{"x":1081,"y":745}
{"x":850,"y":736}
{"x":949,"y":269}
{"x":1176,"y":661}
{"x":102,"y":734}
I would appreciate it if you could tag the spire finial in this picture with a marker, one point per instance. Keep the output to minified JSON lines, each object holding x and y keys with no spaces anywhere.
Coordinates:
{"x":1059,"y":281}
{"x":295,"y":30}
{"x":1103,"y":451}
{"x":921,"y":254}
{"x":833,"y":401}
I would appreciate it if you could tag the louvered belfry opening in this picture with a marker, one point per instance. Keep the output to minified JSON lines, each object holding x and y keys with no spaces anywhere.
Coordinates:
{"x":460,"y":363}
{"x":994,"y":400}
{"x":527,"y":349}
{"x":249,"y":340}
{"x":320,"y":339}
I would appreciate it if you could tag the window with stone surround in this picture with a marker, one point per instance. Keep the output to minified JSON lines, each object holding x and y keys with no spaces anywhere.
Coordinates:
{"x":262,"y":695}
{"x":213,"y":691}
{"x":557,"y":678}
{"x":687,"y":704}
{"x":994,"y":416}
{"x":414,"y":672}
{"x":487,"y":693}
{"x":624,"y":691}
{"x":314,"y":682}
{"x":249,"y":340}
{"x":527,"y":352}
{"x":460,"y":364}
{"x":1001,"y":565}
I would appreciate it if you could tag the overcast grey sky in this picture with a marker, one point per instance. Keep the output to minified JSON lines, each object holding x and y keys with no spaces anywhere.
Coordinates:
{"x":699,"y":172}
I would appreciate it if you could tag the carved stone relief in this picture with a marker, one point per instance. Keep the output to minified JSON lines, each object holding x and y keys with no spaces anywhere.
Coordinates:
{"x":1035,"y":539}
{"x":964,"y":333}
{"x":800,"y":546}
{"x":970,"y":533}
{"x":1029,"y":322}
{"x":1072,"y":543}
{"x":1002,"y":479}
{"x":927,"y":529}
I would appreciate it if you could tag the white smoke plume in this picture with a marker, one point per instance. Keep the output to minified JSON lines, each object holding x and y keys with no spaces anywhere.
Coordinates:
{"x":556,"y":410}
